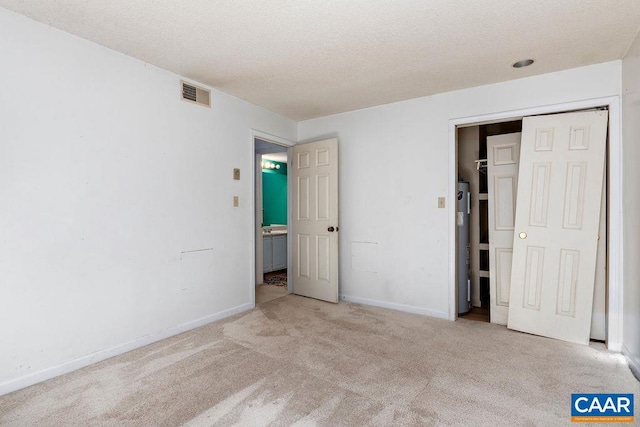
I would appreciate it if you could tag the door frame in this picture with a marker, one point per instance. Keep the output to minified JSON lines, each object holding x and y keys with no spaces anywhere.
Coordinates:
{"x":256,"y":203}
{"x":614,"y":214}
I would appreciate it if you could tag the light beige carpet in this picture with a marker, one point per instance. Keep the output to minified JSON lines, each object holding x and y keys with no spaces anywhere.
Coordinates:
{"x":297,"y":361}
{"x":266,"y":293}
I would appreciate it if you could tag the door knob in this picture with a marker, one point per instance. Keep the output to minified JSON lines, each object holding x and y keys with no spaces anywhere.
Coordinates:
{"x":330,"y":229}
{"x":522,"y":235}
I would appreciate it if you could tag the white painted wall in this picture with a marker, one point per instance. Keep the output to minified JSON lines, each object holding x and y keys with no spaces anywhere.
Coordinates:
{"x":106,"y":177}
{"x":631,"y":218}
{"x":394,"y":163}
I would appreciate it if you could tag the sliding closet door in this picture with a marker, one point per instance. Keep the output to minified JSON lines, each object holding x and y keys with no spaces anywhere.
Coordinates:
{"x":503,"y":156}
{"x":556,"y":226}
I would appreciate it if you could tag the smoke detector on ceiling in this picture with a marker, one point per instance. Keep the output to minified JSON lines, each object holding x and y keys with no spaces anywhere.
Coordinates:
{"x":196,"y":94}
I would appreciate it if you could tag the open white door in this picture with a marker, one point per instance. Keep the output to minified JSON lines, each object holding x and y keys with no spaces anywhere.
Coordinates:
{"x":556,"y":228}
{"x":314,"y":225}
{"x":503,"y":157}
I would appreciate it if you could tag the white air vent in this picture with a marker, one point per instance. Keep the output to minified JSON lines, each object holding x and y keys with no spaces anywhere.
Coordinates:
{"x":196,"y":94}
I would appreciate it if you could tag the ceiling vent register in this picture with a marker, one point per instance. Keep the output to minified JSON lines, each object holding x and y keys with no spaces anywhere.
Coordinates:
{"x":196,"y":94}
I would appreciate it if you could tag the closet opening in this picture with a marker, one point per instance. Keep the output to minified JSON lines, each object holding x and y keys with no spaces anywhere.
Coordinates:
{"x":477,"y":233}
{"x":472,"y":169}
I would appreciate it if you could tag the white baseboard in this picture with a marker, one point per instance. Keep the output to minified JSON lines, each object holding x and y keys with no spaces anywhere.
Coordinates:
{"x":98,"y":356}
{"x":614,"y":346}
{"x":634,"y":362}
{"x":395,"y":306}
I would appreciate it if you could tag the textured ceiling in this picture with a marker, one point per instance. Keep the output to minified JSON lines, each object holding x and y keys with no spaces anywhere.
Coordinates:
{"x":307,"y":59}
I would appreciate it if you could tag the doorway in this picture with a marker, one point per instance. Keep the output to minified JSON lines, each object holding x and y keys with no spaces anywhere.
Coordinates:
{"x":271,"y":218}
{"x":613,"y":208}
{"x":312,"y":193}
{"x":472,"y":169}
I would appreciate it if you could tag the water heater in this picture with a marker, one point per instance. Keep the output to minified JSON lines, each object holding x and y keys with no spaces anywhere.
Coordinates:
{"x":462,"y":220}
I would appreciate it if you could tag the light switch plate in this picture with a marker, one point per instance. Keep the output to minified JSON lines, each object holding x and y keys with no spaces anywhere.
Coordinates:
{"x":441,"y":202}
{"x":236,"y":174}
{"x":236,"y":201}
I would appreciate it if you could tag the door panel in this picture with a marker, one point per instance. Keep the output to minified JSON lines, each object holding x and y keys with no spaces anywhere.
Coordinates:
{"x":556,"y":227}
{"x":314,"y":169}
{"x":503,"y":156}
{"x":503,"y":260}
{"x":302,"y":255}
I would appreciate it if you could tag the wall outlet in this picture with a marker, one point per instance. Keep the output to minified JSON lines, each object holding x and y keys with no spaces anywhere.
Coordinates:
{"x":236,"y":201}
{"x":441,"y":202}
{"x":236,"y":174}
